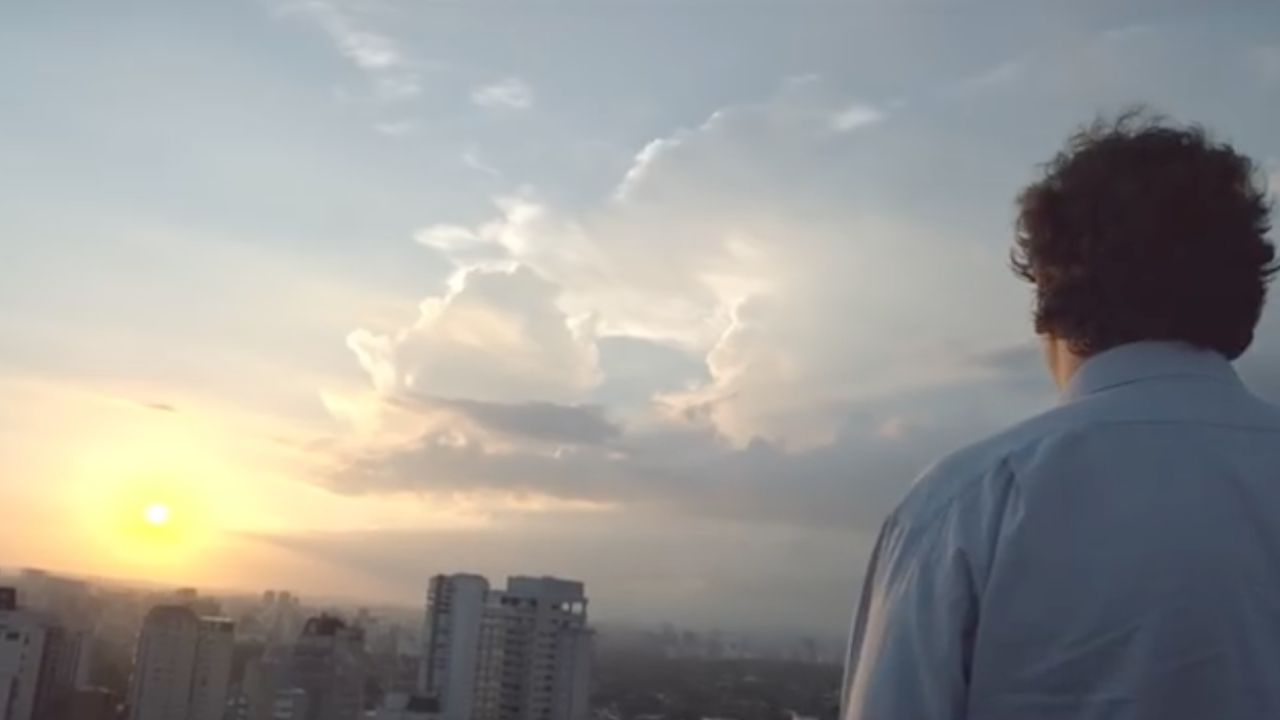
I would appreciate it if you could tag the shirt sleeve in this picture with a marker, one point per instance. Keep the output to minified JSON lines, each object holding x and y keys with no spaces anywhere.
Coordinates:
{"x":912,"y":636}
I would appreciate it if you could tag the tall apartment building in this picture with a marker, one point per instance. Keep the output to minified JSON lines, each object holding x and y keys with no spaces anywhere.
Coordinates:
{"x":182,"y":666}
{"x":519,"y":653}
{"x":329,"y":665}
{"x":456,"y":607}
{"x":215,"y":646}
{"x":38,"y":662}
{"x":70,"y":606}
{"x":22,"y":645}
{"x":321,"y":675}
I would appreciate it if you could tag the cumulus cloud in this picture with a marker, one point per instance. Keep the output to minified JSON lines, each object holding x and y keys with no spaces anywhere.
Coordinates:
{"x":699,"y":520}
{"x":672,"y":351}
{"x":750,"y":268}
{"x":511,"y":92}
{"x":498,"y":335}
{"x":573,"y":453}
{"x":761,"y":328}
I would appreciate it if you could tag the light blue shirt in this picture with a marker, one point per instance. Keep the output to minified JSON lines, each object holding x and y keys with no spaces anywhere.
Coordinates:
{"x":1117,"y":557}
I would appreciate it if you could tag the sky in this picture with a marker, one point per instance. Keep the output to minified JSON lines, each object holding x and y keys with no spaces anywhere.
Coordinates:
{"x":672,"y":297}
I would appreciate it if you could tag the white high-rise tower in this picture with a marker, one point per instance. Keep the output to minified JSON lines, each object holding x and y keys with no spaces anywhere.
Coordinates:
{"x":451,"y":642}
{"x":24,"y":653}
{"x":522,"y":653}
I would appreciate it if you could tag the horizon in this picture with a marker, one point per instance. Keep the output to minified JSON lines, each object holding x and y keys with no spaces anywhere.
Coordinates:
{"x":351,"y":604}
{"x":673,"y":299}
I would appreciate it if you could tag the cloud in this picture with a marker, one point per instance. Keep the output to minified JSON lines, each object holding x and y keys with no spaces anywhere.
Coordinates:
{"x":856,"y":116}
{"x":541,"y":421}
{"x":159,"y":407}
{"x":511,"y":92}
{"x":721,"y":259}
{"x":395,"y":128}
{"x":392,"y":75}
{"x":739,"y":355}
{"x":497,"y":335}
{"x":993,"y":78}
{"x":712,"y":533}
{"x":688,"y":473}
{"x":748,"y":270}
{"x":367,"y":50}
{"x":471,"y":158}
{"x":457,"y":423}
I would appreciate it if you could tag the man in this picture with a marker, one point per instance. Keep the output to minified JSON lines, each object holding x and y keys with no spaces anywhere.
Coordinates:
{"x":1118,"y":556}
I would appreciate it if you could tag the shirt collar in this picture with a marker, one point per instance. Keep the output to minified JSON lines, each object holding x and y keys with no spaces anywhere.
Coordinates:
{"x":1147,"y":360}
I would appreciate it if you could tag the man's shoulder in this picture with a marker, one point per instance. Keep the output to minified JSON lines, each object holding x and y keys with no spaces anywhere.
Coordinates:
{"x":987,"y":464}
{"x":991,"y":462}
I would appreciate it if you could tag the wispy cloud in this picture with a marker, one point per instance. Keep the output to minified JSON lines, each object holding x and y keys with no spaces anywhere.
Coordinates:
{"x":392,"y":75}
{"x":510,"y":92}
{"x":366,"y":50}
{"x":159,"y":407}
{"x":139,"y":404}
{"x":998,"y":76}
{"x":395,"y":128}
{"x":855,"y":117}
{"x":471,"y":158}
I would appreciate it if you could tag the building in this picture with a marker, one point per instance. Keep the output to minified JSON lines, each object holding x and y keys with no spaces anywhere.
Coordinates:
{"x":65,"y":666}
{"x":164,"y":663}
{"x":22,"y":645}
{"x":545,"y":650}
{"x":93,"y":704}
{"x":211,"y":676}
{"x":69,"y":601}
{"x":182,"y":666}
{"x":282,"y":618}
{"x":39,"y":660}
{"x":263,"y":677}
{"x":70,"y":606}
{"x":394,"y":673}
{"x":456,"y":608}
{"x":320,"y":676}
{"x":290,"y":704}
{"x":404,"y":706}
{"x":328,"y":664}
{"x":519,"y":653}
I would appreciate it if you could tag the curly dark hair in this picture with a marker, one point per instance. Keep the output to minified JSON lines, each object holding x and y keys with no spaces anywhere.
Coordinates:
{"x":1144,"y":230}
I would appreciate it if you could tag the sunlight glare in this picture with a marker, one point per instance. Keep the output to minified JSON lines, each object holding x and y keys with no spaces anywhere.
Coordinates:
{"x":146,"y":496}
{"x":156,"y":514}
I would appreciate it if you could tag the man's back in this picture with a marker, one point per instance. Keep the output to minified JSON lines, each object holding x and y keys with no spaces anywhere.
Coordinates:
{"x":1117,"y":557}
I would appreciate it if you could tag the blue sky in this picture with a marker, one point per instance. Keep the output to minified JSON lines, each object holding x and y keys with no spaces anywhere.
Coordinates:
{"x":377,"y":288}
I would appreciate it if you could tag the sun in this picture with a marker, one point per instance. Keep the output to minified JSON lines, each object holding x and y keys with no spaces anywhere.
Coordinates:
{"x":156,"y":514}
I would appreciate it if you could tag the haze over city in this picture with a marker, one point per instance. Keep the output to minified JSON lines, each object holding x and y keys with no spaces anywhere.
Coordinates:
{"x":672,"y":298}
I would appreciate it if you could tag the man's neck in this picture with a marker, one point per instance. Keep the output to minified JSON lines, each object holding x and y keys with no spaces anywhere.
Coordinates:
{"x":1061,"y":361}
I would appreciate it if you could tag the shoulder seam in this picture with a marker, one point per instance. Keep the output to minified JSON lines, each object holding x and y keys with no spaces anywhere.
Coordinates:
{"x":1001,"y":464}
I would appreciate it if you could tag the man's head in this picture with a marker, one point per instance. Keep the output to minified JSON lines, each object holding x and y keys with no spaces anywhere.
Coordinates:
{"x":1143,"y":230}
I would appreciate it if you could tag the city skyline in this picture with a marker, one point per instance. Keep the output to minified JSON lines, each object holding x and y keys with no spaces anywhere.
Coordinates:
{"x":675,"y":299}
{"x":84,"y":651}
